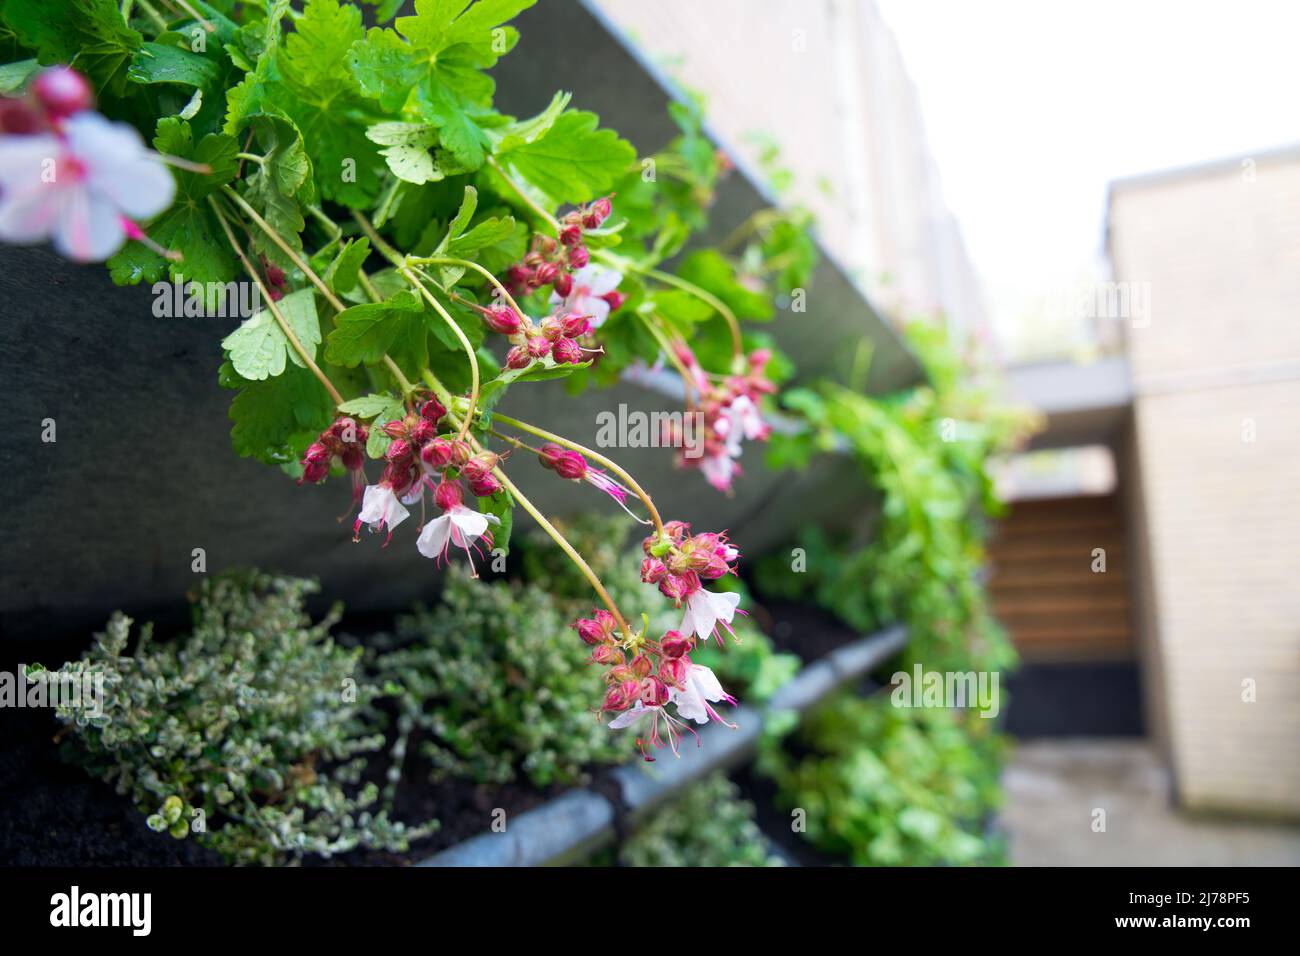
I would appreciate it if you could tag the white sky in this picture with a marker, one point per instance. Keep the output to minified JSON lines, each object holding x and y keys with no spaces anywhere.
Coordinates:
{"x":1031,"y":108}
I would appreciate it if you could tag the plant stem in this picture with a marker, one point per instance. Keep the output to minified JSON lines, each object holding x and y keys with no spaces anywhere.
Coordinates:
{"x":152,"y":12}
{"x":737,"y":347}
{"x":378,"y":241}
{"x":541,"y":213}
{"x":287,"y":249}
{"x":285,"y":327}
{"x":402,"y":380}
{"x":465,"y":344}
{"x":441,"y":391}
{"x":595,"y":456}
{"x":465,"y":263}
{"x":189,"y":8}
{"x":689,"y":385}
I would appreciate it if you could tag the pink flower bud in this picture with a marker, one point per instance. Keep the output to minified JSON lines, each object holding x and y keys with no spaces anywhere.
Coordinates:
{"x":353,"y":458}
{"x":606,"y":620}
{"x":398,"y":450}
{"x":599,"y":211}
{"x":606,"y":654}
{"x":673,"y":671}
{"x":437,"y":453}
{"x":571,"y":466}
{"x":395,"y":429}
{"x":448,"y":494}
{"x":424,"y":431}
{"x":432,"y":411}
{"x":480,"y":465}
{"x":590,"y":631}
{"x":566,"y":352}
{"x":501,"y":319}
{"x":550,"y":454}
{"x":62,"y":91}
{"x":552,"y":328}
{"x":485,"y":487}
{"x":680,"y":586}
{"x":653,"y":571}
{"x":642,"y":666}
{"x":571,"y":235}
{"x":546,"y":273}
{"x":654,"y":692}
{"x":615,"y":300}
{"x":579,"y":257}
{"x":460,"y":453}
{"x":563,"y":284}
{"x":538,"y":347}
{"x":615,"y":699}
{"x":715,"y":568}
{"x":518,"y":357}
{"x":575,"y":324}
{"x":674,"y":644}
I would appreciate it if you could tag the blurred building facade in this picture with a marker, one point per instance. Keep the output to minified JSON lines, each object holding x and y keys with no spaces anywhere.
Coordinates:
{"x":824,"y":82}
{"x":1214,"y":455}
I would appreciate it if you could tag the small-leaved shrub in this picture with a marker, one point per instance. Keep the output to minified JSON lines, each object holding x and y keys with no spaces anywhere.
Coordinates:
{"x":252,"y":734}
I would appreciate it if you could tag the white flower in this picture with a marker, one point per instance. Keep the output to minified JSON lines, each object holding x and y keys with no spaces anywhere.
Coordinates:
{"x":704,"y":609}
{"x":380,"y":509}
{"x":80,"y":189}
{"x":719,"y":470}
{"x":701,"y":687}
{"x":589,"y":284}
{"x":459,"y":526}
{"x":635,"y":715}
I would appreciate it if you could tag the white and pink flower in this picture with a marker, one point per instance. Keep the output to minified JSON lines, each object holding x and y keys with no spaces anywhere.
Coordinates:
{"x":706,"y":610}
{"x":381,"y":510}
{"x":459,"y":526}
{"x":591,"y":284}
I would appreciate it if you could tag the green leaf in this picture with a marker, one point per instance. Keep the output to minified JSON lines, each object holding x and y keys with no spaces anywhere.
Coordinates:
{"x":188,"y":227}
{"x":523,"y":132}
{"x":274,"y":420}
{"x":377,"y":441}
{"x":258,"y":348}
{"x":574,"y":161}
{"x":364,"y":333}
{"x":90,"y":35}
{"x":163,"y":63}
{"x":308,"y":81}
{"x":14,"y":76}
{"x":368,"y":406}
{"x":501,"y":504}
{"x":437,"y":57}
{"x":342,"y":274}
{"x":408,"y":153}
{"x":274,"y":188}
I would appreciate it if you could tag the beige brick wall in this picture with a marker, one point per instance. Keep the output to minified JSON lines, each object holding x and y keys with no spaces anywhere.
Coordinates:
{"x":1217,"y":383}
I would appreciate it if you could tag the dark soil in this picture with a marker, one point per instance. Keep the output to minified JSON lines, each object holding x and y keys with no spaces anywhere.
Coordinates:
{"x":804,"y":630}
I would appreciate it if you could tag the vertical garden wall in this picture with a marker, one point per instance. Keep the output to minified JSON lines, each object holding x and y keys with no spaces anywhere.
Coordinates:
{"x":467,"y":257}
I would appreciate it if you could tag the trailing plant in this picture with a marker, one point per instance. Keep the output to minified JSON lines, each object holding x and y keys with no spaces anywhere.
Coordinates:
{"x":710,"y":825}
{"x":415,"y":254}
{"x":252,"y":734}
{"x":891,"y":786}
{"x":493,"y":690}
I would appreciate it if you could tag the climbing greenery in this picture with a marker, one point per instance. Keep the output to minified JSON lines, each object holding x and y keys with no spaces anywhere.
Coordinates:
{"x":252,"y":734}
{"x":892,"y":786}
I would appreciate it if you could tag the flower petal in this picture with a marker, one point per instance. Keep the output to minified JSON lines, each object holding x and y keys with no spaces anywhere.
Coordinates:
{"x":433,"y":537}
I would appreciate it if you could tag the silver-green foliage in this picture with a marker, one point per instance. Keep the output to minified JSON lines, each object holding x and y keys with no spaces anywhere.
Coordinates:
{"x":711,"y":825}
{"x":252,"y":733}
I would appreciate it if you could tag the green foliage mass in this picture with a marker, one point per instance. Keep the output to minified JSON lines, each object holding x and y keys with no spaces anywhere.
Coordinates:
{"x":252,"y":734}
{"x":892,"y":786}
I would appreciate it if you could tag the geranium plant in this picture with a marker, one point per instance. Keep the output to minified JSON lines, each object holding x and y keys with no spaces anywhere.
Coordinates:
{"x":416,"y":254}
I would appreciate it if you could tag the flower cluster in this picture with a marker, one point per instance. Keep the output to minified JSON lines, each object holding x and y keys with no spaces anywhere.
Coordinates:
{"x":345,"y":442}
{"x":552,"y":261}
{"x":557,"y":335}
{"x":644,"y":677}
{"x":420,"y":460}
{"x":678,"y":562}
{"x":69,"y":175}
{"x":731,"y":414}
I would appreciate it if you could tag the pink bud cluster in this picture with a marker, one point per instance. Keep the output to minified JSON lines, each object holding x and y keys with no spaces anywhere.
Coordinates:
{"x":731,"y":415}
{"x":552,"y":261}
{"x":648,"y":675}
{"x":418,"y":453}
{"x":556,"y":335}
{"x":677,"y":562}
{"x":344,"y":441}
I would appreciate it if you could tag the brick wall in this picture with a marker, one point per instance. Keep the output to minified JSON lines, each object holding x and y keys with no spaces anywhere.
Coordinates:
{"x":1217,"y":416}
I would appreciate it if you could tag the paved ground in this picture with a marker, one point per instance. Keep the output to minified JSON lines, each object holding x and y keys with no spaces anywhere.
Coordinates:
{"x":1053,"y":788}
